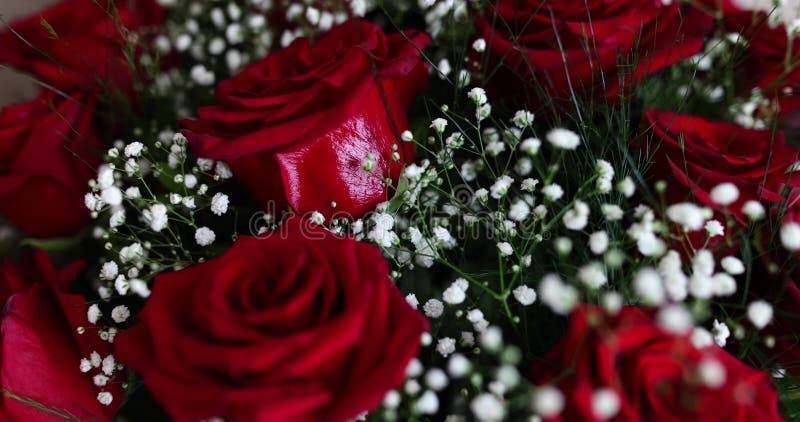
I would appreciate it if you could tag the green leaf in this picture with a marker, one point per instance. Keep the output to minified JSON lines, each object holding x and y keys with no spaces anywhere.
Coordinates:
{"x":55,"y":244}
{"x":397,"y":201}
{"x":49,"y":28}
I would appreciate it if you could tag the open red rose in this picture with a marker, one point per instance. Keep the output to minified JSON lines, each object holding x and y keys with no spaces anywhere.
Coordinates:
{"x":764,"y":64}
{"x":656,"y":376}
{"x":559,"y":47}
{"x":41,"y":350}
{"x":48,"y":150}
{"x":700,"y":154}
{"x":298,"y":126}
{"x":83,"y":45}
{"x":301,"y":325}
{"x":48,"y":146}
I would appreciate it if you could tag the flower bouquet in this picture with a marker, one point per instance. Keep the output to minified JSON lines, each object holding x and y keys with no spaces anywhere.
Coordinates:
{"x":338,"y":210}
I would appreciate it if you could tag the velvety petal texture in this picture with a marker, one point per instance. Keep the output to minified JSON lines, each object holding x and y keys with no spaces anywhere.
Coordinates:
{"x":48,"y":152}
{"x":297,"y":126}
{"x":41,"y":350}
{"x":85,"y":46}
{"x":299,"y":325}
{"x":595,"y":48}
{"x":653,"y":373}
{"x":700,"y":154}
{"x":49,"y":147}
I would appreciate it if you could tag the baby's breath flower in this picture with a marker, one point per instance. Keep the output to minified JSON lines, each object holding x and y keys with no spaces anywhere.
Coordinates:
{"x":598,"y":242}
{"x":732,"y":265}
{"x":753,"y":210}
{"x":714,"y":228}
{"x":204,"y":236}
{"x":605,"y":403}
{"x":721,"y":332}
{"x":592,"y":275}
{"x":105,"y":398}
{"x":479,"y":45}
{"x":790,"y":236}
{"x":577,"y":218}
{"x":611,"y":212}
{"x":759,"y":313}
{"x":317,"y":218}
{"x":530,"y":146}
{"x":522,"y":118}
{"x":93,"y":314}
{"x":121,"y":285}
{"x":446,"y":346}
{"x":477,"y":95}
{"x":559,"y":297}
{"x":134,"y":149}
{"x":483,"y":111}
{"x":117,"y":218}
{"x":156,"y":216}
{"x":674,"y":318}
{"x":219,"y":203}
{"x":439,"y":124}
{"x":552,"y":192}
{"x":524,"y":295}
{"x":487,"y":408}
{"x":495,"y":148}
{"x":626,"y":187}
{"x":120,"y":314}
{"x":433,"y":308}
{"x":222,"y":170}
{"x":547,"y":401}
{"x":109,"y":270}
{"x":505,"y":249}
{"x":725,"y":193}
{"x":563,"y":138}
{"x":455,"y":294}
{"x":500,"y":187}
{"x":132,"y":193}
{"x":689,"y":215}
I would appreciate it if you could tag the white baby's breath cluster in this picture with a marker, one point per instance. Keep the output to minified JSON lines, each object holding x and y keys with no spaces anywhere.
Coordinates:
{"x":141,"y":231}
{"x":216,"y":39}
{"x":551,"y":243}
{"x":487,"y":384}
{"x":145,"y":233}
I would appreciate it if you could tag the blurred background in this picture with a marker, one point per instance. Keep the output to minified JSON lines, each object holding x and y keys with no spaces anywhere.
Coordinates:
{"x":15,"y":88}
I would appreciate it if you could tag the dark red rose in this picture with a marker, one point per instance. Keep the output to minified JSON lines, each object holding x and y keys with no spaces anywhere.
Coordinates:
{"x":48,"y":150}
{"x":656,"y":376}
{"x":42,"y":350}
{"x":85,"y":46}
{"x":699,"y":155}
{"x":590,"y":47}
{"x":48,"y":146}
{"x":784,"y":328}
{"x":301,"y":325}
{"x":298,"y":125}
{"x":764,"y":63}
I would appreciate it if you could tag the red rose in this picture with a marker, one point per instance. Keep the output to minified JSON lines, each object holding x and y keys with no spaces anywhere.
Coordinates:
{"x":299,"y":125}
{"x":700,"y":154}
{"x":563,"y":46}
{"x":41,"y":353}
{"x":655,"y":375}
{"x":48,"y":146}
{"x":85,"y":47}
{"x":767,"y":43}
{"x":784,"y":327}
{"x":764,"y":65}
{"x":302,"y":325}
{"x":48,"y":153}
